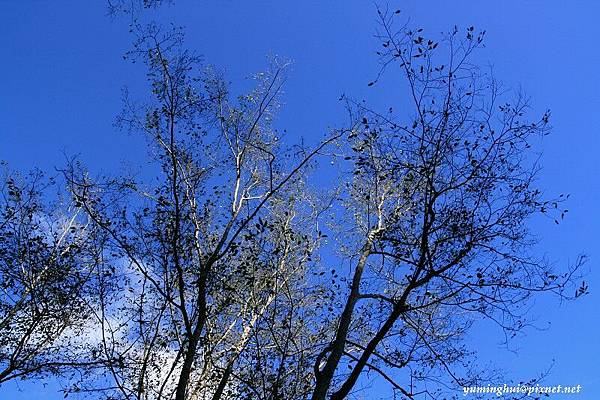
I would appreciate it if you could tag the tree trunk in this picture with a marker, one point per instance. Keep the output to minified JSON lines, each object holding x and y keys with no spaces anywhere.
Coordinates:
{"x":325,"y":376}
{"x":194,"y":339}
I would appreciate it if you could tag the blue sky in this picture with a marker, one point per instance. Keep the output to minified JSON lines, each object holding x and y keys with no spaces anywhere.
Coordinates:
{"x":62,"y":73}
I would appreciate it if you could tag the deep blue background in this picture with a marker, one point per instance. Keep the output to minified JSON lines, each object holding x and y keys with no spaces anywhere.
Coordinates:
{"x":61,"y":72}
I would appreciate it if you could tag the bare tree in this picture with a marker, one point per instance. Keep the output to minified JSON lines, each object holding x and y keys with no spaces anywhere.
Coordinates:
{"x":439,"y":204}
{"x":46,"y":259}
{"x":209,"y":280}
{"x":212,"y":253}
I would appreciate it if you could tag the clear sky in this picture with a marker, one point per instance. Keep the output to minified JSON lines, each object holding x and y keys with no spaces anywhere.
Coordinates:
{"x":61,"y":73}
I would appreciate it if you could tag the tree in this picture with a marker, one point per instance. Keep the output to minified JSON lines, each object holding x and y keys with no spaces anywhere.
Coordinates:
{"x":212,"y":256}
{"x":46,"y":259}
{"x":440,"y":204}
{"x":218,"y":278}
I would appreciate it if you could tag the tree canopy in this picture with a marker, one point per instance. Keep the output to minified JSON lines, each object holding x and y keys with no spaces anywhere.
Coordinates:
{"x":255,"y":266}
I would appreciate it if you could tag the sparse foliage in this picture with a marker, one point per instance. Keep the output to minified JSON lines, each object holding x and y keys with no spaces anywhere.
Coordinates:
{"x":233,"y":273}
{"x":440,"y":203}
{"x":213,"y":258}
{"x":46,"y":258}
